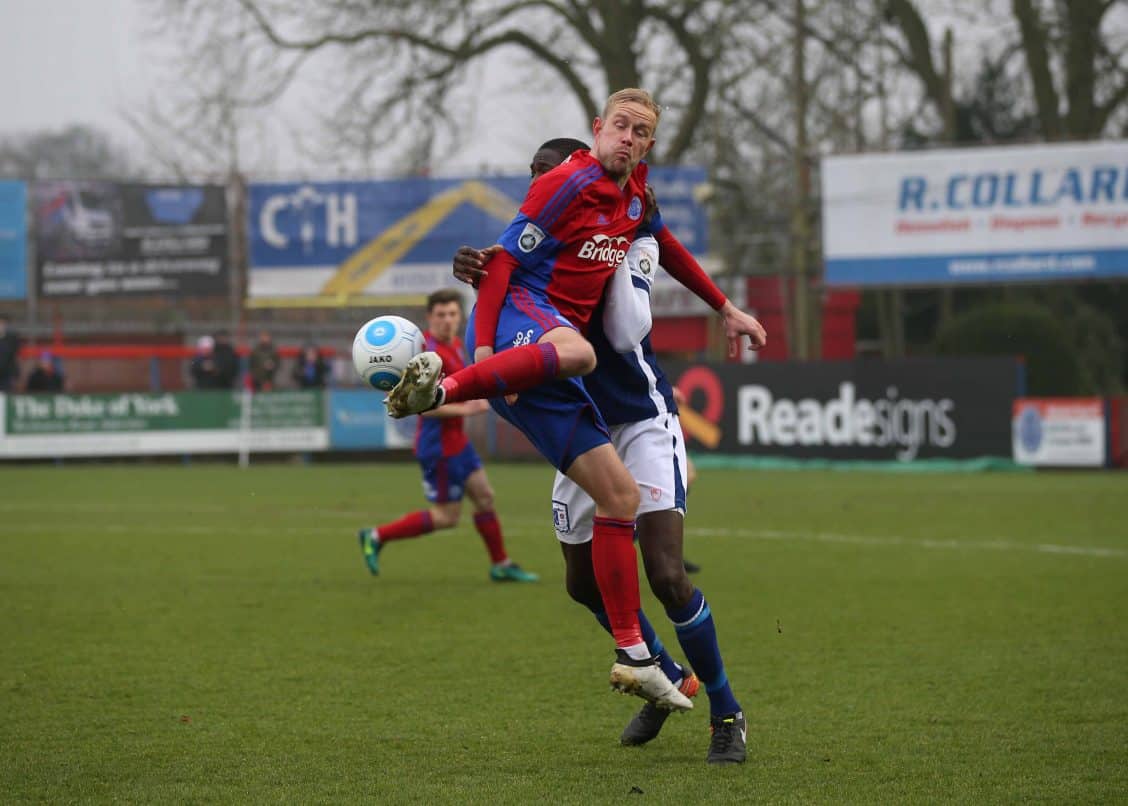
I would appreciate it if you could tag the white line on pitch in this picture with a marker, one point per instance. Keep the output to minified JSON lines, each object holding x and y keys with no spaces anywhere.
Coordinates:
{"x":863,"y":540}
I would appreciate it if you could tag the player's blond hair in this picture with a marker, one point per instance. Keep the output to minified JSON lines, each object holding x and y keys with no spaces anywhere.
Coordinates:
{"x":633,"y":95}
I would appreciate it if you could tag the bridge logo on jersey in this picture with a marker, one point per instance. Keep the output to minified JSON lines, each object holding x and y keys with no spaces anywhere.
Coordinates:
{"x":605,"y":249}
{"x":531,"y":236}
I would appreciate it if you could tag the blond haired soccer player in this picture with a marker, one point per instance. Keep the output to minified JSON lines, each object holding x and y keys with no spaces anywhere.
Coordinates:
{"x":641,"y":407}
{"x":571,"y":234}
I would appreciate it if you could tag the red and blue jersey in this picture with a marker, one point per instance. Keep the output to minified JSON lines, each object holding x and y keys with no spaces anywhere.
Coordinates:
{"x":572,"y":232}
{"x":442,"y":437}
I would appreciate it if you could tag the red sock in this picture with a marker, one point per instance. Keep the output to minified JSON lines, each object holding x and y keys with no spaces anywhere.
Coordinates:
{"x":616,"y":572}
{"x":412,"y":524}
{"x":505,"y":373}
{"x":489,"y":527}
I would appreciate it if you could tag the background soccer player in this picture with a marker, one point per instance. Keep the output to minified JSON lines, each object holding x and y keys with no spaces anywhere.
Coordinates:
{"x":450,"y":464}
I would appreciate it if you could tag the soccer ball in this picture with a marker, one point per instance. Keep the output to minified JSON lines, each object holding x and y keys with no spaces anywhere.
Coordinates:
{"x":382,"y":348}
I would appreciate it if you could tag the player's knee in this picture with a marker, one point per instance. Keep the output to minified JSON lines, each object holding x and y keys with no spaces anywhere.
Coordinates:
{"x":445,"y":517}
{"x":484,"y":501}
{"x":576,"y":357}
{"x":622,"y":501}
{"x":671,"y":586}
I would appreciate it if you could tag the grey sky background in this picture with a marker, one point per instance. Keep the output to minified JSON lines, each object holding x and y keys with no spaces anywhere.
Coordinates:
{"x":86,"y":61}
{"x":68,"y":61}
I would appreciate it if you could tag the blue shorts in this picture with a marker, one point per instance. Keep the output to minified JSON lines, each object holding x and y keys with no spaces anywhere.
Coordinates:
{"x":444,"y":478}
{"x":559,"y":418}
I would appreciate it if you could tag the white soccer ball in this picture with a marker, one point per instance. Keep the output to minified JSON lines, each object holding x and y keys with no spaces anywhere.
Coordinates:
{"x":382,"y":348}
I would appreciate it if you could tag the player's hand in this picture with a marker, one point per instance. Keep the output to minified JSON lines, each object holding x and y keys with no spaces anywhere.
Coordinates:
{"x":737,"y":323}
{"x":482,"y":353}
{"x":468,"y":263}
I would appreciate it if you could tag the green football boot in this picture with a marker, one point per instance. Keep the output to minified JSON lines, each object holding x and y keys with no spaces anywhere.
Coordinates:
{"x":370,"y":545}
{"x":512,"y":572}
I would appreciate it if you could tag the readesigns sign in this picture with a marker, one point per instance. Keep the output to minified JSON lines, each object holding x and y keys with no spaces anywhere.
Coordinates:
{"x":902,"y":410}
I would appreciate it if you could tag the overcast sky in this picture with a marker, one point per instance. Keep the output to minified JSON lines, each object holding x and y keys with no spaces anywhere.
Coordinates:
{"x":85,"y":61}
{"x":67,"y":61}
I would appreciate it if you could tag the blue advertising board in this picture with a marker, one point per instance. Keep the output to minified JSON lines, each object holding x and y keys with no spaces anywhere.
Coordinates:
{"x":356,"y":420}
{"x":329,"y":242}
{"x":13,"y":240}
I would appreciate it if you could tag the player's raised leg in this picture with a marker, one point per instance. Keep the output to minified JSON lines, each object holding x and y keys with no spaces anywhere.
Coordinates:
{"x":560,"y":353}
{"x":502,"y":568}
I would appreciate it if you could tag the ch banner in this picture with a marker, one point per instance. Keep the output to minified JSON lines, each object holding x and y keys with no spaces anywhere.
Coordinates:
{"x":135,"y":424}
{"x":853,"y":410}
{"x":96,"y":239}
{"x":977,"y":215}
{"x":13,"y":240}
{"x":341,"y":243}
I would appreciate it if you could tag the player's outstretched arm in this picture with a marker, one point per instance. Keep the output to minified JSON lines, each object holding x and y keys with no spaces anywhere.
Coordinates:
{"x":738,"y":324}
{"x":684,"y":268}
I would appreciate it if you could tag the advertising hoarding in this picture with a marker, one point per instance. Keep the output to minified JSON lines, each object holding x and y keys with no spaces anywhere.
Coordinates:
{"x":392,"y":241}
{"x":13,"y":240}
{"x":853,"y":410}
{"x":976,"y":215}
{"x":98,"y":239}
{"x":1061,"y":432}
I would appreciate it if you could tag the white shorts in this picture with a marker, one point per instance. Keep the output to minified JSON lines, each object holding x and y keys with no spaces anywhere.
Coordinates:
{"x":654,"y":452}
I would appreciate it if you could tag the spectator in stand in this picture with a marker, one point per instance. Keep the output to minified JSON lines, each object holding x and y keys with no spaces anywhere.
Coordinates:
{"x":312,"y":370}
{"x":226,"y":361}
{"x":203,"y":369}
{"x":46,"y":377}
{"x":9,"y":355}
{"x":264,"y":363}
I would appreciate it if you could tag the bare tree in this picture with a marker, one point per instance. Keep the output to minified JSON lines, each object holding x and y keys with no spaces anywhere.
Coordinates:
{"x":399,"y":70}
{"x":75,"y":152}
{"x":1069,"y":58}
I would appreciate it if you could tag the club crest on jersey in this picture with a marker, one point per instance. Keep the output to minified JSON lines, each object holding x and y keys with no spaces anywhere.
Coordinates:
{"x":560,"y":518}
{"x":634,"y":212}
{"x":644,"y":265}
{"x":531,"y":236}
{"x":605,"y":249}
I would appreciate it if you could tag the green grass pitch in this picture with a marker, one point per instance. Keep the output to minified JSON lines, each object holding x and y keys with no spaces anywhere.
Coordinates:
{"x":202,"y":634}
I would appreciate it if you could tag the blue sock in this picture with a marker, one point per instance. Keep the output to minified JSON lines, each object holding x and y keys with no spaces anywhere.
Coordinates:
{"x":698,"y":638}
{"x":671,"y":669}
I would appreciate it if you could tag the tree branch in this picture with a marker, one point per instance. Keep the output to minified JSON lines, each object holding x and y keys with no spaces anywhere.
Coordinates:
{"x":1038,"y":63}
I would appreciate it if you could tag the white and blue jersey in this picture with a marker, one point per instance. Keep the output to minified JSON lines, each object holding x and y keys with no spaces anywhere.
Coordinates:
{"x":629,"y":387}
